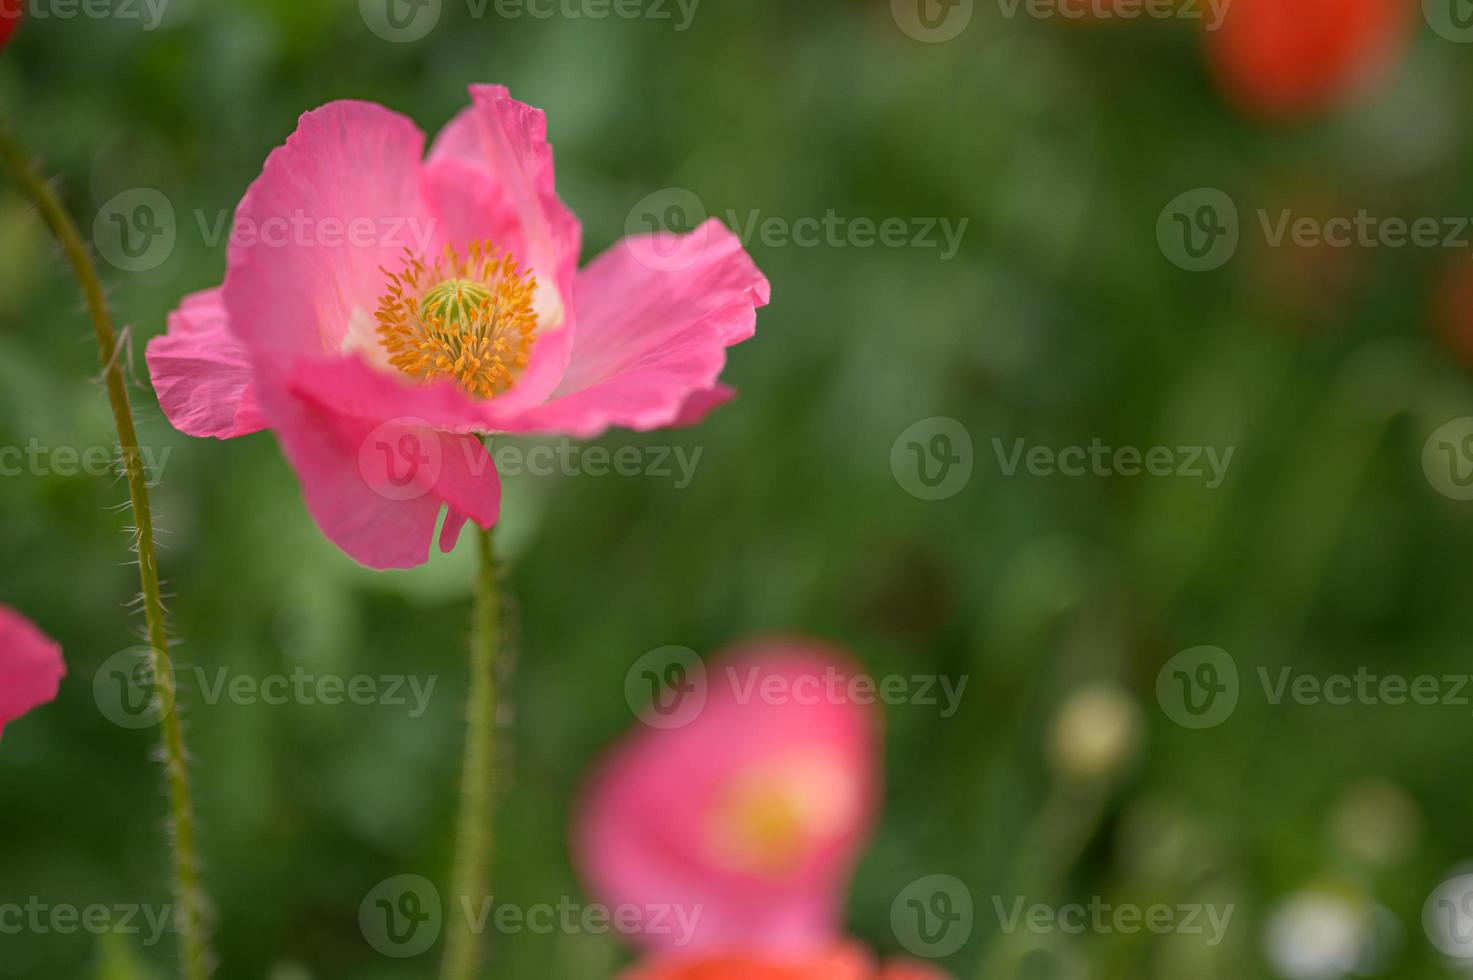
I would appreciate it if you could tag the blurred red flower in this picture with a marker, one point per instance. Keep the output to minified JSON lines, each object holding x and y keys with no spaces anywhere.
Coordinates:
{"x":10,"y":15}
{"x":1452,"y":307}
{"x":1281,"y":58}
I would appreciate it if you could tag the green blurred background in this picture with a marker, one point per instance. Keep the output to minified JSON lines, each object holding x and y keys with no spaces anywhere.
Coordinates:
{"x":1059,"y":321}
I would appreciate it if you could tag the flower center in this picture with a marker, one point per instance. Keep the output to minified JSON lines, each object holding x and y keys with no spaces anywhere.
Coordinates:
{"x":769,"y":819}
{"x":466,"y":318}
{"x":766,"y":830}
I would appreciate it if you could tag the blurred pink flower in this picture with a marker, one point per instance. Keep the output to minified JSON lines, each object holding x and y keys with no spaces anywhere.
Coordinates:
{"x":839,"y":963}
{"x":380,"y":308}
{"x":31,"y":667}
{"x":748,"y":820}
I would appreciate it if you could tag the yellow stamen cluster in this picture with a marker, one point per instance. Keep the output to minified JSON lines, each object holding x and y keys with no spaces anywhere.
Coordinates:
{"x":468,"y":318}
{"x":768,"y":819}
{"x":767,"y":831}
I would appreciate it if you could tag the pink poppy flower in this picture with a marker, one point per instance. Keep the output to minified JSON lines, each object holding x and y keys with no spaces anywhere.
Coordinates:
{"x":381,"y":308}
{"x":840,"y":963}
{"x":31,"y":668}
{"x":748,"y":819}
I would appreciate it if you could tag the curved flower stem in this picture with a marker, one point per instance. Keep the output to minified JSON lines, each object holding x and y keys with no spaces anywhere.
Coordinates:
{"x":194,"y":942}
{"x":470,"y":874}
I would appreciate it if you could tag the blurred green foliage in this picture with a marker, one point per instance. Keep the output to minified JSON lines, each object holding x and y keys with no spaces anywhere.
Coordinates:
{"x":1059,"y":321}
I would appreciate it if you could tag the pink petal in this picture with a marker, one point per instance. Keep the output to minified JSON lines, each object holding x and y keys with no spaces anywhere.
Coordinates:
{"x":644,"y":834}
{"x":699,"y":404}
{"x":357,"y":388}
{"x":202,"y":372}
{"x":655,"y":316}
{"x":333,"y":208}
{"x":377,"y":488}
{"x":31,"y":667}
{"x":847,"y":962}
{"x":506,"y":140}
{"x":490,"y":175}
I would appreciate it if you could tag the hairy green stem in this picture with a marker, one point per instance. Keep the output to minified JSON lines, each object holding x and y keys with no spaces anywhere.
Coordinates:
{"x":195,"y":956}
{"x":470,"y":874}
